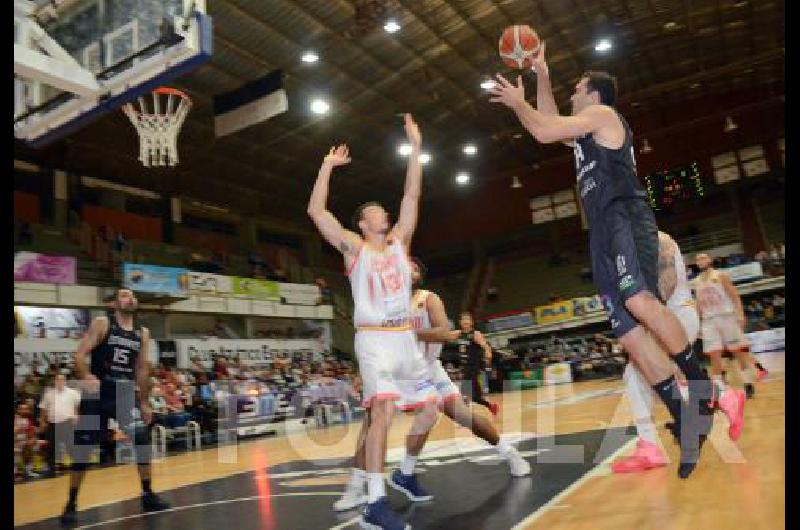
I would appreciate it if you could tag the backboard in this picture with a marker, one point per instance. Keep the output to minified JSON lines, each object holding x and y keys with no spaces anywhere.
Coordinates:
{"x":76,"y":60}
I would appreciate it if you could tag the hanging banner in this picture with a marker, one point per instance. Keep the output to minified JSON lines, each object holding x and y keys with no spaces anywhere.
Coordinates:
{"x":34,"y":267}
{"x":516,"y":320}
{"x":557,"y":312}
{"x":206,"y":283}
{"x":299,"y":293}
{"x":253,"y":352}
{"x":258,"y":289}
{"x":155,"y":279}
{"x":50,"y":322}
{"x":52,"y":351}
{"x":744,"y":272}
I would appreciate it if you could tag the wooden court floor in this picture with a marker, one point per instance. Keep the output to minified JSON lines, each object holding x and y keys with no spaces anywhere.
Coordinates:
{"x":735,"y":486}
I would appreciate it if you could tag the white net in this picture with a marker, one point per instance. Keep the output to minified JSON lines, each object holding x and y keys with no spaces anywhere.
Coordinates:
{"x":158,"y":125}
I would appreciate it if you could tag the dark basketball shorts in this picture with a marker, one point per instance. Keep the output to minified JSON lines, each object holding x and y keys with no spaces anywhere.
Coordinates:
{"x":113,"y":401}
{"x":623,"y":245}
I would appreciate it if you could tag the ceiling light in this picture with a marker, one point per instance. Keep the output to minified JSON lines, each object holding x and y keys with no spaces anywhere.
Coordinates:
{"x":515,"y":183}
{"x":669,"y":26}
{"x":462,"y":178}
{"x":404,"y":149}
{"x":309,"y":57}
{"x":470,"y":149}
{"x":424,"y":158}
{"x":730,"y":125}
{"x":391,"y":26}
{"x":645,"y":147}
{"x":488,"y":84}
{"x":320,"y":106}
{"x":603,"y":45}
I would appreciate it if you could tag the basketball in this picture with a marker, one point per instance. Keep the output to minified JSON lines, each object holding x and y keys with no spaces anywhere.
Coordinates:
{"x":518,"y":46}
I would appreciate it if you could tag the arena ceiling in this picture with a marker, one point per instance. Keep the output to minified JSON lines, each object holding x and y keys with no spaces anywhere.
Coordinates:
{"x":664,"y":53}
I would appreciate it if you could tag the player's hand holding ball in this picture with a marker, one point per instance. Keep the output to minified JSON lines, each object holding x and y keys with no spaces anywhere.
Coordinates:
{"x":512,"y":96}
{"x":539,"y":64}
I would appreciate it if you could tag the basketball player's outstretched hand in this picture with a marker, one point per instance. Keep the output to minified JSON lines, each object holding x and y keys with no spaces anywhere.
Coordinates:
{"x":509,"y":95}
{"x":338,"y":156}
{"x":539,"y":65}
{"x":412,"y":131}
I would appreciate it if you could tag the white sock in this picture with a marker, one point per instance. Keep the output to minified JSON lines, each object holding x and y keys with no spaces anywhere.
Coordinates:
{"x":719,"y":383}
{"x":647,"y":429}
{"x":358,"y":478}
{"x":684,"y":392}
{"x":639,"y":392}
{"x":504,"y":448}
{"x":375,"y":487}
{"x":407,"y":467}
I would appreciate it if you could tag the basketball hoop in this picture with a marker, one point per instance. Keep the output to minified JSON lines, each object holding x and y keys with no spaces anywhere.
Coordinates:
{"x":158,"y":130}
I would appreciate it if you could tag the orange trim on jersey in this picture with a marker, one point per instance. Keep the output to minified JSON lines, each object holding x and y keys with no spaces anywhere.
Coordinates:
{"x":419,"y":404}
{"x":737,"y":349}
{"x":384,"y":395}
{"x":382,"y":328}
{"x":349,"y":270}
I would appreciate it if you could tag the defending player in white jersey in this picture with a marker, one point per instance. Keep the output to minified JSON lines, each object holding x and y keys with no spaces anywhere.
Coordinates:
{"x":722,"y":324}
{"x":674,"y":288}
{"x":389,"y":360}
{"x":429,"y":320}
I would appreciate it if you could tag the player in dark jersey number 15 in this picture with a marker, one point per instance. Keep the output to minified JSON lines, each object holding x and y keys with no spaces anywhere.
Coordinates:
{"x":623,"y":240}
{"x":116,"y":368}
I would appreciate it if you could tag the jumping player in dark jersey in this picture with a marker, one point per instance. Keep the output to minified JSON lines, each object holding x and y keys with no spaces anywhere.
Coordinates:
{"x":623,"y":240}
{"x":116,"y":370}
{"x":473,"y":345}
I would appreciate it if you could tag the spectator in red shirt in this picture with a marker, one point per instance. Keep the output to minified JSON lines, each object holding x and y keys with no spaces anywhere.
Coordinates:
{"x":26,"y":442}
{"x":177,"y":415}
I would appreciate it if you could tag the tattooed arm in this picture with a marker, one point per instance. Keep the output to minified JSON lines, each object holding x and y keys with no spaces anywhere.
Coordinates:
{"x":347,"y":242}
{"x":667,"y":275}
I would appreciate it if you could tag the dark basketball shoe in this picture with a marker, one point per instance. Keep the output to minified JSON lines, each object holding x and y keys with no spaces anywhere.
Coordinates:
{"x":153,"y":503}
{"x":69,"y":517}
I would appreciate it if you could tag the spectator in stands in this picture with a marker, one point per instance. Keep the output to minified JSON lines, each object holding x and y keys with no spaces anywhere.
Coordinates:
{"x":196,"y":367}
{"x":32,"y":387}
{"x":26,"y":442}
{"x":120,"y":242}
{"x":176,"y":413}
{"x":161,"y":371}
{"x":159,"y":406}
{"x":554,"y":297}
{"x":58,"y":416}
{"x":220,"y":367}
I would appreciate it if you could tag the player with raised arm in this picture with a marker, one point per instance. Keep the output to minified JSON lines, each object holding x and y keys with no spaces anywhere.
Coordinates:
{"x":379,"y":270}
{"x":623,"y":242}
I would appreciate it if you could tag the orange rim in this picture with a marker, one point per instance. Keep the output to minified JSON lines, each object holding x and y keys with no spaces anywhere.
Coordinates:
{"x":173,"y":91}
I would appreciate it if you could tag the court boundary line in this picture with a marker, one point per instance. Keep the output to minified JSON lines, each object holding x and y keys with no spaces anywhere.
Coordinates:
{"x":591,"y":473}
